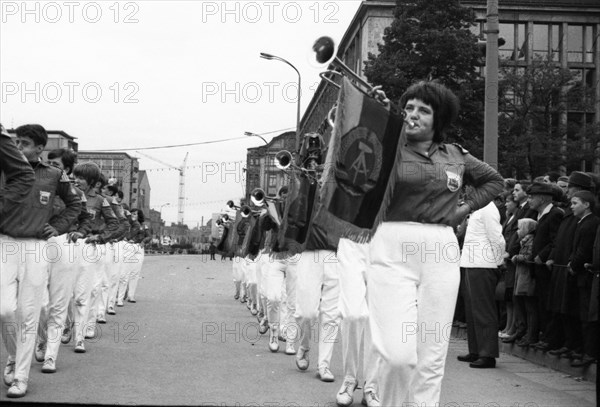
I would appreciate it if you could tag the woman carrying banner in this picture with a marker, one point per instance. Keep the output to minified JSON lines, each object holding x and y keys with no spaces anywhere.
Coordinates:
{"x":414,"y":275}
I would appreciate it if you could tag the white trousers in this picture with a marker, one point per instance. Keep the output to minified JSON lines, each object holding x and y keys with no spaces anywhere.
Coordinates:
{"x":413,"y":285}
{"x":23,"y":278}
{"x":281,"y":274}
{"x":62,"y":272}
{"x":238,"y":274}
{"x":353,"y":264}
{"x":262,"y":280}
{"x":130,"y":261}
{"x":137,"y":257}
{"x":99,"y":282}
{"x":88,"y":268}
{"x":117,"y":271}
{"x":249,"y":267}
{"x":317,"y":296}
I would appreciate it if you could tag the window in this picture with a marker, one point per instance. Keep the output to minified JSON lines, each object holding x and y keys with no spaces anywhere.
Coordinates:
{"x":272,"y":181}
{"x":540,"y":40}
{"x":575,"y":43}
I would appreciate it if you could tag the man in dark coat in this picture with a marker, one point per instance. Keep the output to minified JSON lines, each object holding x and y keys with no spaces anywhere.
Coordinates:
{"x":549,"y":219}
{"x":582,"y":204}
{"x":564,"y":330}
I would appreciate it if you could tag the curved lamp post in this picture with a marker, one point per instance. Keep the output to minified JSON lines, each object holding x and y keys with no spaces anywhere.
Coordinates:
{"x":264,"y":55}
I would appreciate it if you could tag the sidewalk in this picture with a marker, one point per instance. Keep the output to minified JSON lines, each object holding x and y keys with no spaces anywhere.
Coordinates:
{"x":540,"y":358}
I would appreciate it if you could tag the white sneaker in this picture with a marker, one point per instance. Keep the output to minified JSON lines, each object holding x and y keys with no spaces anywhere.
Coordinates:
{"x":370,"y":399}
{"x":302,"y":358}
{"x":49,"y":366}
{"x":344,"y":396}
{"x":325,"y":374}
{"x":289,"y":348}
{"x":111,"y":310}
{"x":40,"y":351}
{"x":120,"y":303}
{"x":80,"y":347}
{"x":263,"y":326}
{"x":17,"y":389}
{"x":274,"y":344}
{"x":9,"y":372}
{"x":66,"y":336}
{"x":90,"y":332}
{"x":101,"y":319}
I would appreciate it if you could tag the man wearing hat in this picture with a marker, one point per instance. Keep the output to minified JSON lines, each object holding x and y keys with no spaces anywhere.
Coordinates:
{"x":549,"y":219}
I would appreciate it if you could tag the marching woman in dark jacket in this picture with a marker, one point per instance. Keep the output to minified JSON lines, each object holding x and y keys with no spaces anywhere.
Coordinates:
{"x":414,"y":276}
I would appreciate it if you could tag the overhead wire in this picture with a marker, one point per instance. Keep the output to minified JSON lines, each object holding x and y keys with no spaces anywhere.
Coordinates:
{"x":187,"y":144}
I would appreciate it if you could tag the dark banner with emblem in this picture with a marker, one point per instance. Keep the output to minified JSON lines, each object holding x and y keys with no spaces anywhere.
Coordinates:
{"x":360,"y":166}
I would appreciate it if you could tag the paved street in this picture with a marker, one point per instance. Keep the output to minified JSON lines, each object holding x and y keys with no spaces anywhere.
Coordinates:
{"x":187,"y":342}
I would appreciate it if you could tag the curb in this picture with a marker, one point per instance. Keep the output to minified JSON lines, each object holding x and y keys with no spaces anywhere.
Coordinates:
{"x":539,"y":358}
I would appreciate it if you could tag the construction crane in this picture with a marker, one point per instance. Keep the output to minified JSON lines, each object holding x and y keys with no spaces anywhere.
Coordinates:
{"x":181,"y":203}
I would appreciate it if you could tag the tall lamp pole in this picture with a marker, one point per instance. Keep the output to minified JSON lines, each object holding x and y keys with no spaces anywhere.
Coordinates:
{"x":264,"y":55}
{"x":490,"y":135}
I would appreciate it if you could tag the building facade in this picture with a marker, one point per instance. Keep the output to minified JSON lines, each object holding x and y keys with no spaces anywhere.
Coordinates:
{"x":568,"y":29}
{"x":143,"y":200}
{"x":123,"y":169}
{"x":261,"y":171}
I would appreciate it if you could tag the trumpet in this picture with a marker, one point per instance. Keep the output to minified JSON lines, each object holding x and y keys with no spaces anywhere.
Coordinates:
{"x":325,"y":53}
{"x":231,"y":205}
{"x":246,"y":211}
{"x":284,"y":161}
{"x":259,"y":198}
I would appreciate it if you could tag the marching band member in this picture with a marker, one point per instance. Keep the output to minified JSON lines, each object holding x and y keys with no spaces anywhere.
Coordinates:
{"x":23,"y":242}
{"x":281,"y":275}
{"x":138,"y":261}
{"x":119,"y":245}
{"x":104,"y":226}
{"x":353,"y":264}
{"x":317,"y":287}
{"x":130,"y":247}
{"x":62,"y":272}
{"x":414,"y":275}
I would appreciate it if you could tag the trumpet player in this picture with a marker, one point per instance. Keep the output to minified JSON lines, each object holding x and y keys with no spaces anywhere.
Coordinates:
{"x":281,"y":280}
{"x":414,"y":273}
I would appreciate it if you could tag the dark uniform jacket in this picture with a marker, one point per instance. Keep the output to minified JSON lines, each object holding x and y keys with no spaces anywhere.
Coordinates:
{"x":428,"y":186}
{"x":104,"y":220}
{"x":16,"y":176}
{"x":123,"y":228}
{"x":30,"y":217}
{"x":83,"y":224}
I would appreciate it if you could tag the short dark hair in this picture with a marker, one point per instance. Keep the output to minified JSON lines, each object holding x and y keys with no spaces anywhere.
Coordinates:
{"x":586,"y":196}
{"x":553,"y":176}
{"x":141,"y":217}
{"x":102,"y":180}
{"x":89,"y":171}
{"x":444,"y":103}
{"x":68,"y":157}
{"x":113,"y":188}
{"x":120,"y":194}
{"x":35,"y":132}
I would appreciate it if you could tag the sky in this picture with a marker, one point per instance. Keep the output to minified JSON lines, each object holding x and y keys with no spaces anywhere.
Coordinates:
{"x":136,"y":74}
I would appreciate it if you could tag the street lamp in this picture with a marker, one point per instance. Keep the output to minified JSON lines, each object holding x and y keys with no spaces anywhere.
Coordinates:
{"x":250,"y":134}
{"x":264,"y":55}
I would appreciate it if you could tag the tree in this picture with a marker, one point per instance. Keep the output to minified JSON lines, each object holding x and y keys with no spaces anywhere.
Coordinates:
{"x":533,"y":138}
{"x":431,"y":39}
